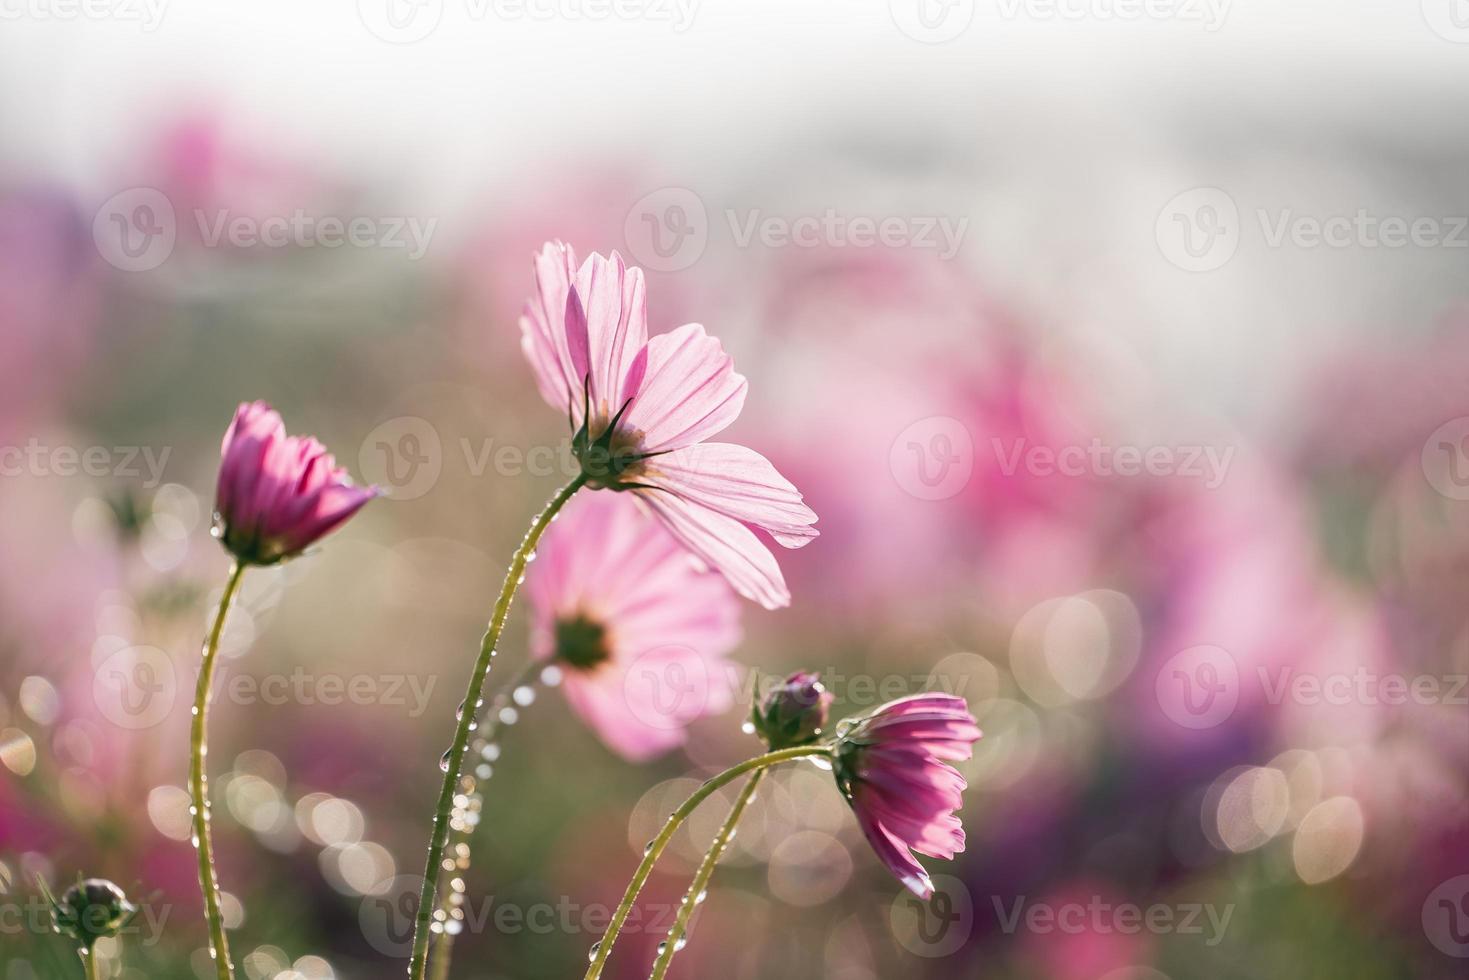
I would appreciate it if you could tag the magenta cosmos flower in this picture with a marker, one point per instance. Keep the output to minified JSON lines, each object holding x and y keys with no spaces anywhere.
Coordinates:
{"x":637,"y":628}
{"x":642,"y":409}
{"x":278,"y":494}
{"x":892,"y":768}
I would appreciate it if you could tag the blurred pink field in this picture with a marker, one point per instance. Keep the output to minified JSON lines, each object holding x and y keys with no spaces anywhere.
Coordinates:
{"x":1103,"y":377}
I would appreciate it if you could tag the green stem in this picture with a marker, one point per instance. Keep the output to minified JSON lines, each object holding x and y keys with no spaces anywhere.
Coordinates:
{"x":701,"y":877}
{"x":219,"y":947}
{"x":603,"y":949}
{"x":90,"y":965}
{"x":460,"y":834}
{"x":455,"y":758}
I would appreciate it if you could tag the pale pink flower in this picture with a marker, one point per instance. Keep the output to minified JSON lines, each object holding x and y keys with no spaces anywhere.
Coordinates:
{"x":642,"y":409}
{"x":637,"y":628}
{"x":892,"y":768}
{"x":278,"y":494}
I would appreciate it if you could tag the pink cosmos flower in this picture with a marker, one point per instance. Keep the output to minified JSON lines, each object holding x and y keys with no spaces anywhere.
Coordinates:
{"x":278,"y":494}
{"x":642,"y":409}
{"x":638,"y":629}
{"x":891,"y":768}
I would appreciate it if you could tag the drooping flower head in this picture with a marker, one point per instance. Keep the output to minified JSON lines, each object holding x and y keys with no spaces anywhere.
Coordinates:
{"x":892,"y":768}
{"x":641,"y":410}
{"x":278,"y":494}
{"x":637,"y":628}
{"x":794,"y":712}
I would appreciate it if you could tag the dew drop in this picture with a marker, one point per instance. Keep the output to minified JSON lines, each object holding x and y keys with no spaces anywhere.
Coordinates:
{"x":748,"y":728}
{"x":524,"y":696}
{"x":592,"y":953}
{"x":444,"y":762}
{"x":509,"y":716}
{"x":490,"y":752}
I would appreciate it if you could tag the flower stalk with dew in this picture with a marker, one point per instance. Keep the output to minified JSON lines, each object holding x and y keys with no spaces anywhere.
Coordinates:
{"x":90,"y":910}
{"x":699,"y":887}
{"x":503,"y":710}
{"x":793,"y":714}
{"x":453,"y":760}
{"x":602,"y":949}
{"x":891,"y":765}
{"x":277,"y":496}
{"x":219,"y":947}
{"x":619,"y":612}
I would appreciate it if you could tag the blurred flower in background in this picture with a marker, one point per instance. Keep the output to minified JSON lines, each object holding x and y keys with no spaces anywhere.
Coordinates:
{"x":1187,"y":531}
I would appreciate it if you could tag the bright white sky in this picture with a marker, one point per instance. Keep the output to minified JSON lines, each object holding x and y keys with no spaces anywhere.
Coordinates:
{"x":1063,"y":125}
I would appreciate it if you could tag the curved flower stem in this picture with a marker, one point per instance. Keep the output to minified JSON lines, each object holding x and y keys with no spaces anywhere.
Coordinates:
{"x":603,"y":949}
{"x":219,"y":947}
{"x":674,"y":942}
{"x":461,"y":831}
{"x":454,"y":759}
{"x":90,"y":964}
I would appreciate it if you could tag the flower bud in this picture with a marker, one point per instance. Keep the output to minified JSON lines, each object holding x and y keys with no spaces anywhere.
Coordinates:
{"x":794,"y":712}
{"x":91,"y":910}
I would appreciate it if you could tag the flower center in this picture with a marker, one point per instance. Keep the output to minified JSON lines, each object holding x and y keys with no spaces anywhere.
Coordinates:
{"x":611,"y":460}
{"x":581,"y":642}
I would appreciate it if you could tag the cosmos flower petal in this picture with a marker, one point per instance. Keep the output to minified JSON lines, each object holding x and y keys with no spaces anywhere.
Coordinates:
{"x":278,"y":494}
{"x":616,"y":317}
{"x":737,"y":482}
{"x":690,"y":390}
{"x":553,"y":330}
{"x":894,"y":854}
{"x":724,"y":544}
{"x":667,"y":622}
{"x":602,"y":703}
{"x":905,"y":797}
